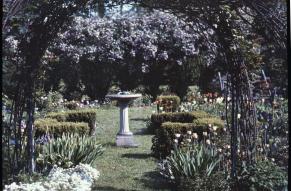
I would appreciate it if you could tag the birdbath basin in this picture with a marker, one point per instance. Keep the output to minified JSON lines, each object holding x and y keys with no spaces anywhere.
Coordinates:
{"x":124,"y":137}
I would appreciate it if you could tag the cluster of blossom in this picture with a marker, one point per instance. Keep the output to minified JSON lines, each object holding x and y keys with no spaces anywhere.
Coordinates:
{"x":149,"y":37}
{"x":80,"y":177}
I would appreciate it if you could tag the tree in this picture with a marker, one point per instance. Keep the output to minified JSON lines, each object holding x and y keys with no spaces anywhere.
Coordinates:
{"x":137,"y":47}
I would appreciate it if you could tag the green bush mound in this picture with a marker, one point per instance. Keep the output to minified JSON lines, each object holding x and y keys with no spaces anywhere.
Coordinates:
{"x":182,"y":117}
{"x":56,"y":128}
{"x":210,"y":120}
{"x":86,"y":115}
{"x":169,"y":102}
{"x":163,"y":141}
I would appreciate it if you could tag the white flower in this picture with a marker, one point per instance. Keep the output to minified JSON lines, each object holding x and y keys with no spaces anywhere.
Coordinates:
{"x":238,"y":115}
{"x":214,"y":128}
{"x":228,"y":146}
{"x":175,"y":140}
{"x":219,"y":150}
{"x":219,"y":100}
{"x":177,"y":135}
{"x":80,"y":177}
{"x":195,"y":135}
{"x":205,"y":134}
{"x":208,"y":142}
{"x":189,"y":132}
{"x":188,"y":140}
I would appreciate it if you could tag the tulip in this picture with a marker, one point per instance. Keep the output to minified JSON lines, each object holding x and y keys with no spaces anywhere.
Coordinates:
{"x":238,"y":115}
{"x":195,"y":135}
{"x":208,"y":142}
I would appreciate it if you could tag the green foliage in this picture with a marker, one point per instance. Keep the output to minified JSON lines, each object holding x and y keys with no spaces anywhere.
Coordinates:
{"x":169,"y":103}
{"x":182,"y":117}
{"x":197,"y":160}
{"x":182,"y":76}
{"x":56,"y":128}
{"x":264,"y":175}
{"x":209,"y":120}
{"x":163,"y":141}
{"x":69,"y":150}
{"x":48,"y":102}
{"x":195,"y":168}
{"x":71,"y":105}
{"x":86,"y":115}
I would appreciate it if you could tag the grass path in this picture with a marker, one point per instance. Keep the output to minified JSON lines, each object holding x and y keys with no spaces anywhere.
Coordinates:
{"x":126,"y":168}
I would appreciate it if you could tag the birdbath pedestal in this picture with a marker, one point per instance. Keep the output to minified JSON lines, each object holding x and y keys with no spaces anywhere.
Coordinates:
{"x":124,"y":137}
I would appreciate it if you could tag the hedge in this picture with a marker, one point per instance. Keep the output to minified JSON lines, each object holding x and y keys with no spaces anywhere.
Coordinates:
{"x":88,"y":116}
{"x":209,"y":120}
{"x":182,"y":117}
{"x":56,"y":128}
{"x":169,"y":103}
{"x":163,"y":140}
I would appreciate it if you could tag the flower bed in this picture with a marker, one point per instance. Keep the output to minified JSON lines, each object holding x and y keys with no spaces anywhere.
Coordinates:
{"x":78,"y":178}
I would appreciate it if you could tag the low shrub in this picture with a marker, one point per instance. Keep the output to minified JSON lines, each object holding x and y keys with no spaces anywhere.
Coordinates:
{"x":56,"y":128}
{"x":163,"y":141}
{"x":86,"y":115}
{"x":198,"y":117}
{"x":264,"y":175}
{"x":69,"y":150}
{"x":209,"y":120}
{"x":182,"y":117}
{"x":170,"y":103}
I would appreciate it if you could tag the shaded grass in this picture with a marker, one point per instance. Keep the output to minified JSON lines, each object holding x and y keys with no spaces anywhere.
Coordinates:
{"x":126,"y":168}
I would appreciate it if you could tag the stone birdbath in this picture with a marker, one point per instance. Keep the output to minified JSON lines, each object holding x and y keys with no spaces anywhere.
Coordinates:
{"x":124,"y":137}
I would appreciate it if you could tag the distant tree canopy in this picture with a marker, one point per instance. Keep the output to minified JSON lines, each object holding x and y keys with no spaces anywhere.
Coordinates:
{"x":149,"y":49}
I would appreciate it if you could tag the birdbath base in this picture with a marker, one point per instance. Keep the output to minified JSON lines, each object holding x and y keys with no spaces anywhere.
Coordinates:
{"x":125,"y":137}
{"x":125,"y":141}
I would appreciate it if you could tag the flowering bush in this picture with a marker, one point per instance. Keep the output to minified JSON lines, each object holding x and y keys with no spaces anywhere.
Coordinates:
{"x":78,"y":178}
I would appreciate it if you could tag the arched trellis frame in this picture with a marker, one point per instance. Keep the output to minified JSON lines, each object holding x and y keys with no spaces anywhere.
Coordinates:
{"x":241,"y":115}
{"x":243,"y":129}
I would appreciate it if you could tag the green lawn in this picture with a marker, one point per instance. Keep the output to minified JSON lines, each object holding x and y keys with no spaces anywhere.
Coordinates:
{"x":127,"y":168}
